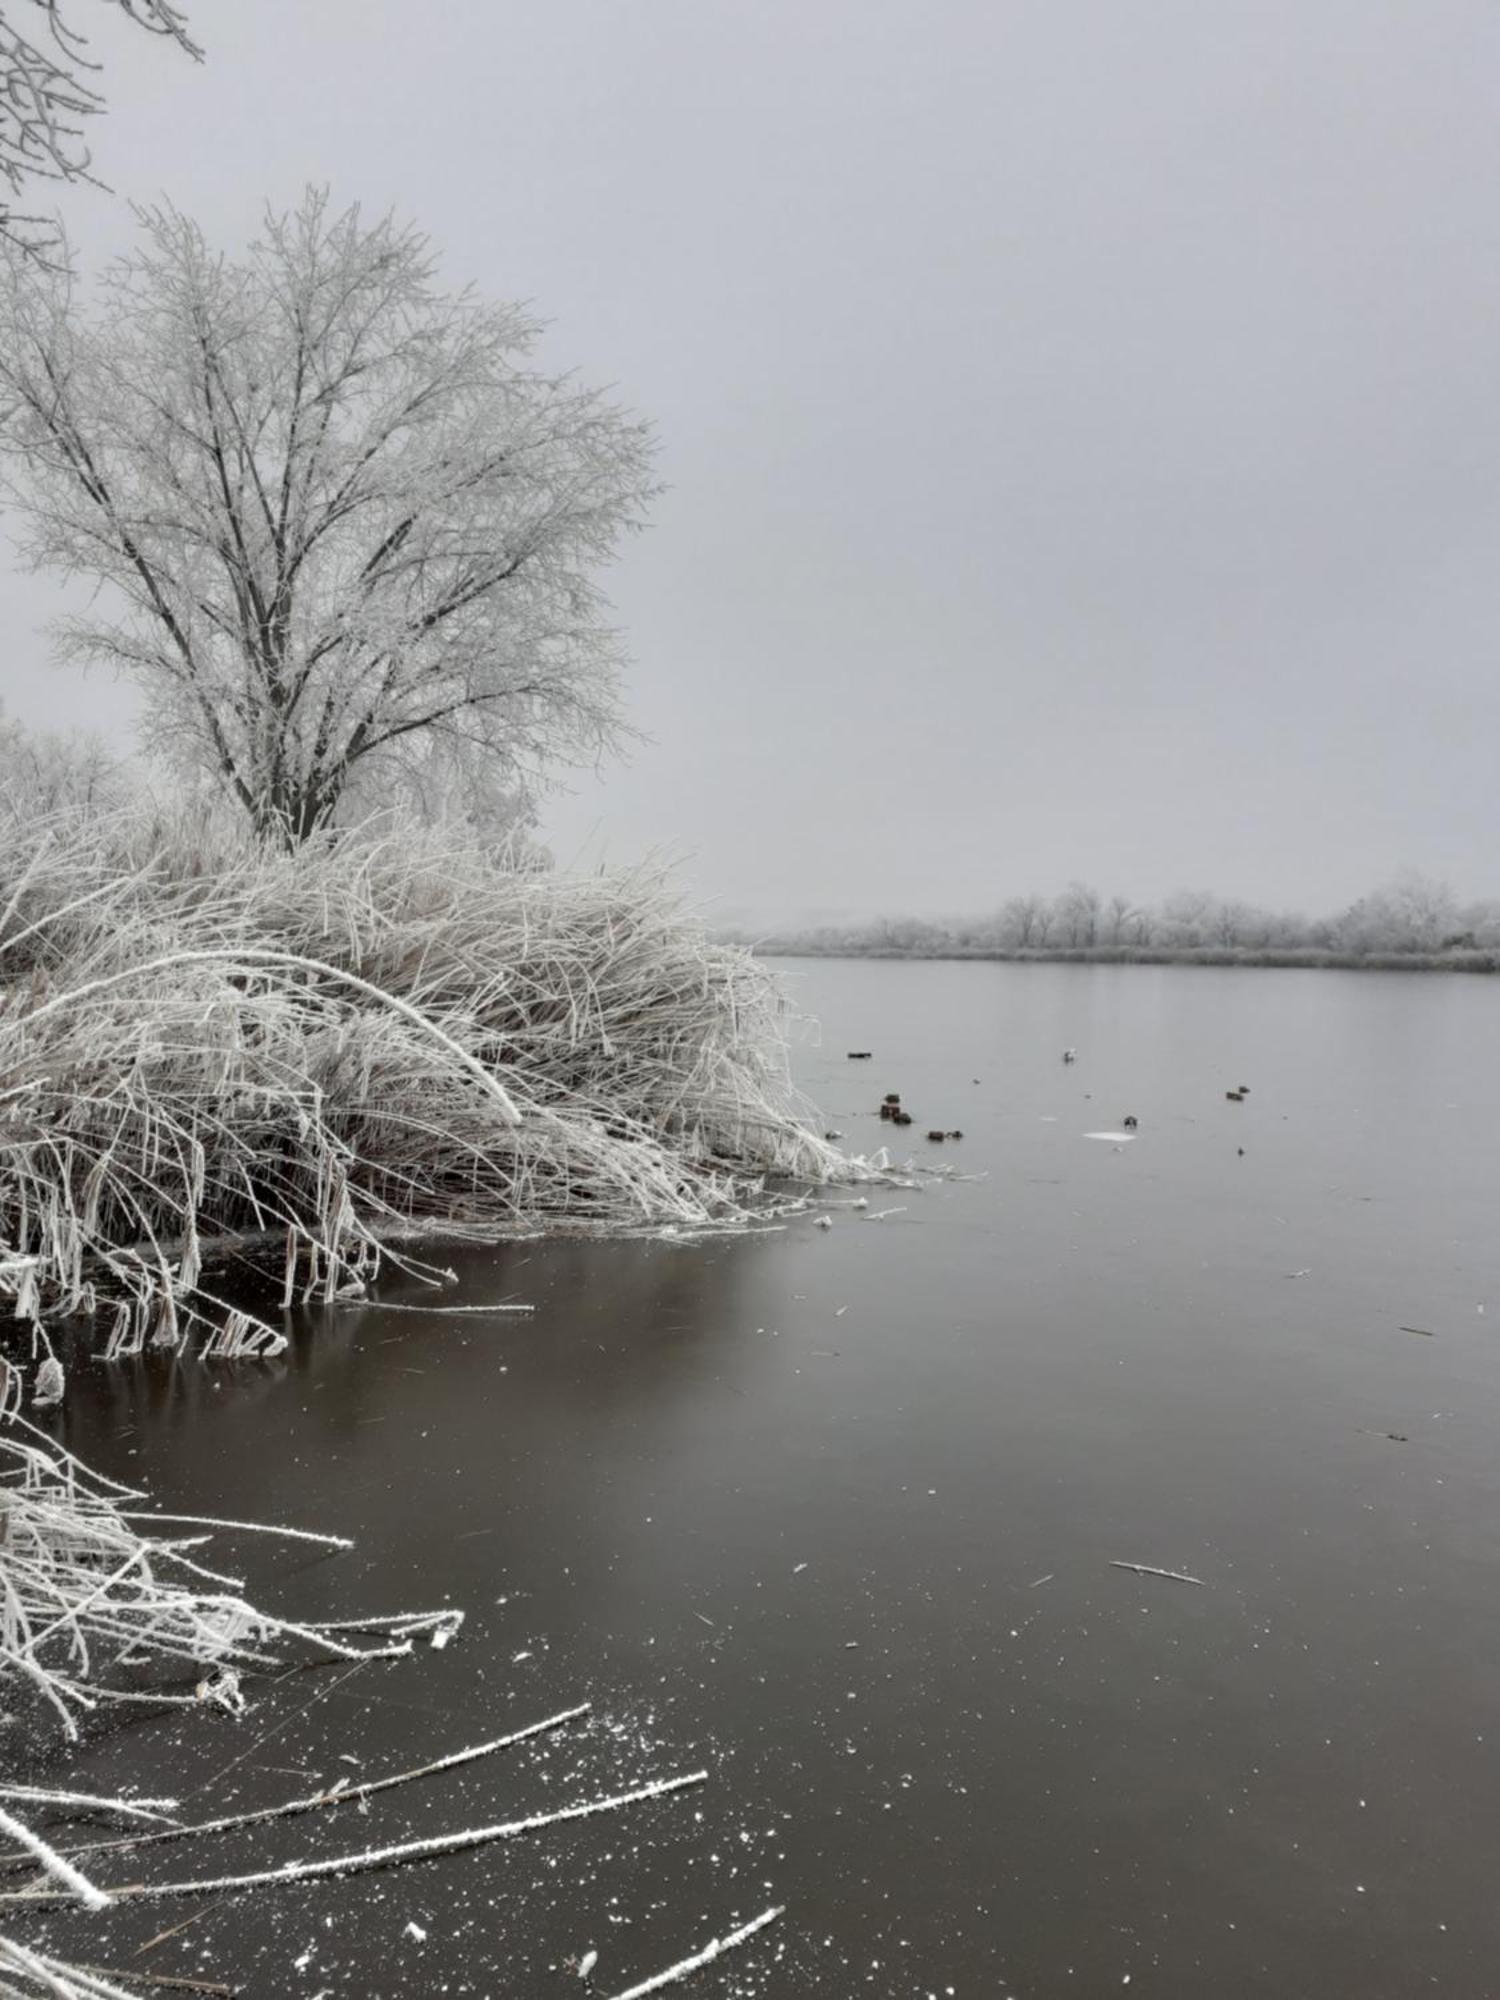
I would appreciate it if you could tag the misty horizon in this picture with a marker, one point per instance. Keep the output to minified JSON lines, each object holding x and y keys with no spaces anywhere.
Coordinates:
{"x":1410,"y":912}
{"x":1078,"y":428}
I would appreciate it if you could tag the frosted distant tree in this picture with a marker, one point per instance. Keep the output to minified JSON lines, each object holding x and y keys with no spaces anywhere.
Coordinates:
{"x":51,"y":773}
{"x":46,"y":90}
{"x":1413,"y":913}
{"x":342,"y":514}
{"x":1024,"y":922}
{"x":1231,"y":923}
{"x":1124,"y":921}
{"x":1077,"y":912}
{"x":1187,"y":918}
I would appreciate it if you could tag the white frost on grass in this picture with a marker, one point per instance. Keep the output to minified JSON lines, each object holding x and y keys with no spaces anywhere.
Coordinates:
{"x":214,"y":1068}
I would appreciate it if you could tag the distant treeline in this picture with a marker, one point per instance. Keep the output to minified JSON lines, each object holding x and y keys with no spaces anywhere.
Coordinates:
{"x":1411,"y":924}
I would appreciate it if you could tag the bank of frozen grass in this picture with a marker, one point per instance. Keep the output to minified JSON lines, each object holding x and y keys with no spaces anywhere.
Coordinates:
{"x":326,"y":1054}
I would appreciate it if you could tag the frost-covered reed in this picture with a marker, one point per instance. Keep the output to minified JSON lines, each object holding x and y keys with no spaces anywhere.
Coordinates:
{"x":28,"y":1975}
{"x":93,"y":1606}
{"x":388,"y":1033}
{"x":96,"y":1611}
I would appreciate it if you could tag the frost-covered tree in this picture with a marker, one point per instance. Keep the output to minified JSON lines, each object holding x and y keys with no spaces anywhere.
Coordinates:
{"x":1127,"y":922}
{"x":1023,"y":922}
{"x":1413,"y":913}
{"x":1077,"y":913}
{"x":49,"y":773}
{"x":341,"y":513}
{"x":48,"y":85}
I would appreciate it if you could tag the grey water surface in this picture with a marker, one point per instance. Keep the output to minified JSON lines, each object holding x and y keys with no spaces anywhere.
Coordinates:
{"x":833,"y":1515}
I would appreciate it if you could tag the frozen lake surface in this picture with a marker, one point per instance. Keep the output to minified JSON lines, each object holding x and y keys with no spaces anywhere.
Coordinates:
{"x":836,"y":1514}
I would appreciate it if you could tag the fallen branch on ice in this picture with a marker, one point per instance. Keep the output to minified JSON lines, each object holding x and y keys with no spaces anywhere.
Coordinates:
{"x":1146,"y":1569}
{"x":38,"y":1795}
{"x":687,"y":1966}
{"x":239,"y":1527}
{"x":315,"y":1870}
{"x":340,"y":1795}
{"x":428,"y":1312}
{"x":77,"y":1888}
{"x":44,"y":1975}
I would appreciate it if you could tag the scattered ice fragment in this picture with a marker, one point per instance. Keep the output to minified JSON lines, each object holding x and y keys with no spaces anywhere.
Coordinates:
{"x":223,"y":1691}
{"x":587,"y":1963}
{"x":50,"y":1383}
{"x":797,"y":1568}
{"x":416,"y":1931}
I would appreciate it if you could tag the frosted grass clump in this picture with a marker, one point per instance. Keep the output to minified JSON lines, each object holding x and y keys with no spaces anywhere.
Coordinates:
{"x":91,"y":1601}
{"x":390,"y":1033}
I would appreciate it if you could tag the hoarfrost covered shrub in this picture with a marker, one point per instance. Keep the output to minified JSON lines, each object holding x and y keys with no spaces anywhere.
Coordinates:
{"x":385,"y":1035}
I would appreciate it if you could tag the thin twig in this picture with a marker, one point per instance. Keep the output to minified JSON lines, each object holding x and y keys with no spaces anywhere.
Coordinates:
{"x":77,"y":1887}
{"x":239,"y":1527}
{"x":1147,"y":1569}
{"x":342,"y":1795}
{"x":174,"y":1981}
{"x":37,"y":1795}
{"x":427,"y":1312}
{"x":685,"y":1967}
{"x":371,"y":1858}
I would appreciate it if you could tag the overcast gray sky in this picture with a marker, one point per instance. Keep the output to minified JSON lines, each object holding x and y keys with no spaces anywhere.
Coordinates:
{"x":1081,"y":416}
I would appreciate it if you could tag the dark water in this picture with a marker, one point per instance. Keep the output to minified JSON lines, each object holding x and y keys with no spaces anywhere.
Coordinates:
{"x":832,"y":1514}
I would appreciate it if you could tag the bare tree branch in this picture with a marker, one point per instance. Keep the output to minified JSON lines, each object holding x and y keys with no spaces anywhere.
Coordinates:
{"x":46,"y":92}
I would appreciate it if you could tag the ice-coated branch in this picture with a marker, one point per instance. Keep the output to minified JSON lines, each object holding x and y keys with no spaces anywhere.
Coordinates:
{"x":686,"y":1967}
{"x":240,"y":1527}
{"x":45,"y":1975}
{"x":320,"y":1869}
{"x":336,"y":1796}
{"x":77,"y":1888}
{"x":158,"y":1810}
{"x":1147,"y":1569}
{"x":45,"y":92}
